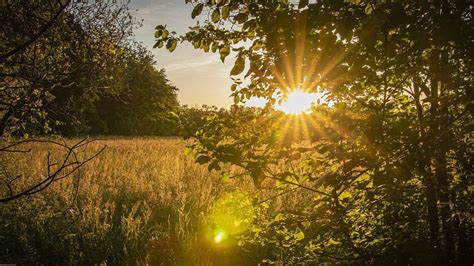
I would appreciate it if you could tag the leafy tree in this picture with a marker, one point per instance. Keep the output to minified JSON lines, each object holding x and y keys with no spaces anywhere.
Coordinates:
{"x":79,"y":58}
{"x":55,"y":50}
{"x":59,"y":59}
{"x":145,"y":101}
{"x":43,"y":45}
{"x":191,"y":119}
{"x":385,"y":175}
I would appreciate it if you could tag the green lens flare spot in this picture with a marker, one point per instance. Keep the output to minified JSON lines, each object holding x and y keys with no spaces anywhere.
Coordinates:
{"x":232,"y":214}
{"x":219,"y":237}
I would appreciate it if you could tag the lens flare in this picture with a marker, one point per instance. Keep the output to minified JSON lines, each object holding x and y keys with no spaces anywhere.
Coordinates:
{"x":220,"y":235}
{"x":231,"y":216}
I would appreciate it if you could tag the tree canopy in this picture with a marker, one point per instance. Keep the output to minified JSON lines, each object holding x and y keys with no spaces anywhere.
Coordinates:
{"x":385,"y":173}
{"x":73,"y":67}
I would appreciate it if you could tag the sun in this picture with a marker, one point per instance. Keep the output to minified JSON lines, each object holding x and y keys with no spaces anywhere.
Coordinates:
{"x":298,"y":102}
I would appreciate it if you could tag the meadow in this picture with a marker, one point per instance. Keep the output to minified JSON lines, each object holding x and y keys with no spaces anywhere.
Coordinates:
{"x":141,"y":201}
{"x":357,"y":151}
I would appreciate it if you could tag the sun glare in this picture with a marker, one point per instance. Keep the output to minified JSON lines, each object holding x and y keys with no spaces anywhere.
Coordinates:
{"x":298,"y":102}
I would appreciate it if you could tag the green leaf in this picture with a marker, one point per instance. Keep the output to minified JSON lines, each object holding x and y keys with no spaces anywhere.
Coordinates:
{"x":279,"y":217}
{"x":197,"y":10}
{"x":216,"y":15}
{"x":236,"y":99}
{"x":175,"y":43}
{"x":214,"y":47}
{"x":370,"y":185}
{"x":171,"y":44}
{"x":213,"y":166}
{"x":158,"y":33}
{"x":174,"y":115}
{"x":188,"y":150}
{"x":225,"y":177}
{"x":239,"y":66}
{"x":299,"y":235}
{"x":225,"y":12}
{"x":158,"y":44}
{"x":205,"y":47}
{"x":224,"y":51}
{"x":249,"y":24}
{"x":202,"y":159}
{"x":241,"y":17}
{"x":345,"y":195}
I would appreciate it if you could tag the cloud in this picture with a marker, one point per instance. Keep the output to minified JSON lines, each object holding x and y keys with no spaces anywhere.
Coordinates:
{"x":184,"y":65}
{"x":151,"y":10}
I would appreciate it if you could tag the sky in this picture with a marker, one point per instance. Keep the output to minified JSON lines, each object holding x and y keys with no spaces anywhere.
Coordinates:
{"x":200,"y":77}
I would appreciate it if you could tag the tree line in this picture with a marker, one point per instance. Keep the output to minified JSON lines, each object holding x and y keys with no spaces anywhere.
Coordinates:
{"x":73,"y":68}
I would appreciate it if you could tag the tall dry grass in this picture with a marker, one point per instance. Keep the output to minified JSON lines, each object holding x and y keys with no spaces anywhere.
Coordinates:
{"x":142,"y":201}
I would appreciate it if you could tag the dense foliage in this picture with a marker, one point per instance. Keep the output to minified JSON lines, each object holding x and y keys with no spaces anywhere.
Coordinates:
{"x":73,"y":68}
{"x":385,"y":173}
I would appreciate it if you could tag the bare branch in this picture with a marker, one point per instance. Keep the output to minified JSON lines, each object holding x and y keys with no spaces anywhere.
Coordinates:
{"x":69,"y":165}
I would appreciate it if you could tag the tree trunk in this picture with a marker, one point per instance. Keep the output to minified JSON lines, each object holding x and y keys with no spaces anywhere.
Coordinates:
{"x":424,"y":166}
{"x":439,"y":148}
{"x":444,"y":207}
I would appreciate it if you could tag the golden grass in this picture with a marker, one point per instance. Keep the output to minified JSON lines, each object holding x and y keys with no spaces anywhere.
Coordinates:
{"x":142,"y":201}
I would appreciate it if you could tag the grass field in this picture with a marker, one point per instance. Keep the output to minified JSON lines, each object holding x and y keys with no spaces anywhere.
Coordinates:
{"x":141,"y":201}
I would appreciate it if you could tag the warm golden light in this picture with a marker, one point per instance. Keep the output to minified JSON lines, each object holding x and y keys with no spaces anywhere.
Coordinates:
{"x":220,"y":235}
{"x":298,"y":102}
{"x":231,"y":215}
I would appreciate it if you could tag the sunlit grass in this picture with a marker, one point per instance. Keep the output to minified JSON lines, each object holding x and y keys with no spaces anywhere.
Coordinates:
{"x":142,"y":196}
{"x":142,"y":199}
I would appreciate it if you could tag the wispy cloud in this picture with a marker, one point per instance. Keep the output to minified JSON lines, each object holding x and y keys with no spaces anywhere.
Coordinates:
{"x":152,"y":9}
{"x":184,"y":65}
{"x":201,"y":77}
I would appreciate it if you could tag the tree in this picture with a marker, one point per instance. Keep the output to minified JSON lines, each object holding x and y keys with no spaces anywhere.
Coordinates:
{"x":48,"y":50}
{"x":145,"y":100}
{"x":389,"y":143}
{"x":56,"y":50}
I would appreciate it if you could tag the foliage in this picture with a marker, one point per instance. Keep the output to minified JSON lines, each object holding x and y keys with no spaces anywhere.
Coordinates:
{"x":386,"y":163}
{"x":144,"y":103}
{"x":76,"y":64}
{"x":190,"y":119}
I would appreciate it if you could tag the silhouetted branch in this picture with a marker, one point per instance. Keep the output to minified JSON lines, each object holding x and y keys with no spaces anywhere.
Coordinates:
{"x":54,"y":171}
{"x":36,"y":36}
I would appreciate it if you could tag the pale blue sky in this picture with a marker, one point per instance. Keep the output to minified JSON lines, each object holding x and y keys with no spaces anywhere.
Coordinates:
{"x":201,"y":77}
